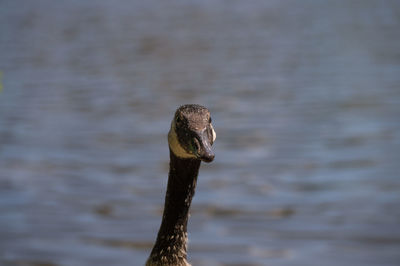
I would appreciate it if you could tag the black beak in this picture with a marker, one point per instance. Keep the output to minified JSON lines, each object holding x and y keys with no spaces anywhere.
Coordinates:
{"x":203,"y":147}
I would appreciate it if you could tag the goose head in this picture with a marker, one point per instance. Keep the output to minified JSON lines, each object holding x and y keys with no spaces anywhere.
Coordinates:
{"x":192,"y":134}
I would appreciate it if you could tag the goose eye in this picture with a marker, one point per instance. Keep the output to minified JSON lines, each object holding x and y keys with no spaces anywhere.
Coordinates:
{"x":178,"y":120}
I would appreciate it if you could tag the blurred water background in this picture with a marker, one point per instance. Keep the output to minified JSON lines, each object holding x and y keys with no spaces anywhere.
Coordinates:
{"x":305,"y":99}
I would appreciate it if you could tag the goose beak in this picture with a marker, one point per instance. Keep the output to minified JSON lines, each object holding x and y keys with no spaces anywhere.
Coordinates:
{"x":203,"y":149}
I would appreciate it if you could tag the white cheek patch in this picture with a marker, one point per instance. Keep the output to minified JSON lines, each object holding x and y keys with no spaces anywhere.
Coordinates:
{"x":214,"y":135}
{"x":175,"y":146}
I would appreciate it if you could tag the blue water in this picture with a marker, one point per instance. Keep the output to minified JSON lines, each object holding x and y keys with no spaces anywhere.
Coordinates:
{"x":305,"y":101}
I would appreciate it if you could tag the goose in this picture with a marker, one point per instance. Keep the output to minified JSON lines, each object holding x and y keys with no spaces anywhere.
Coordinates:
{"x":190,"y":139}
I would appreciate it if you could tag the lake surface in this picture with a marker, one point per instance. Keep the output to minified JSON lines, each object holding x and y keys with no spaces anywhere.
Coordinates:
{"x":305,"y":99}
